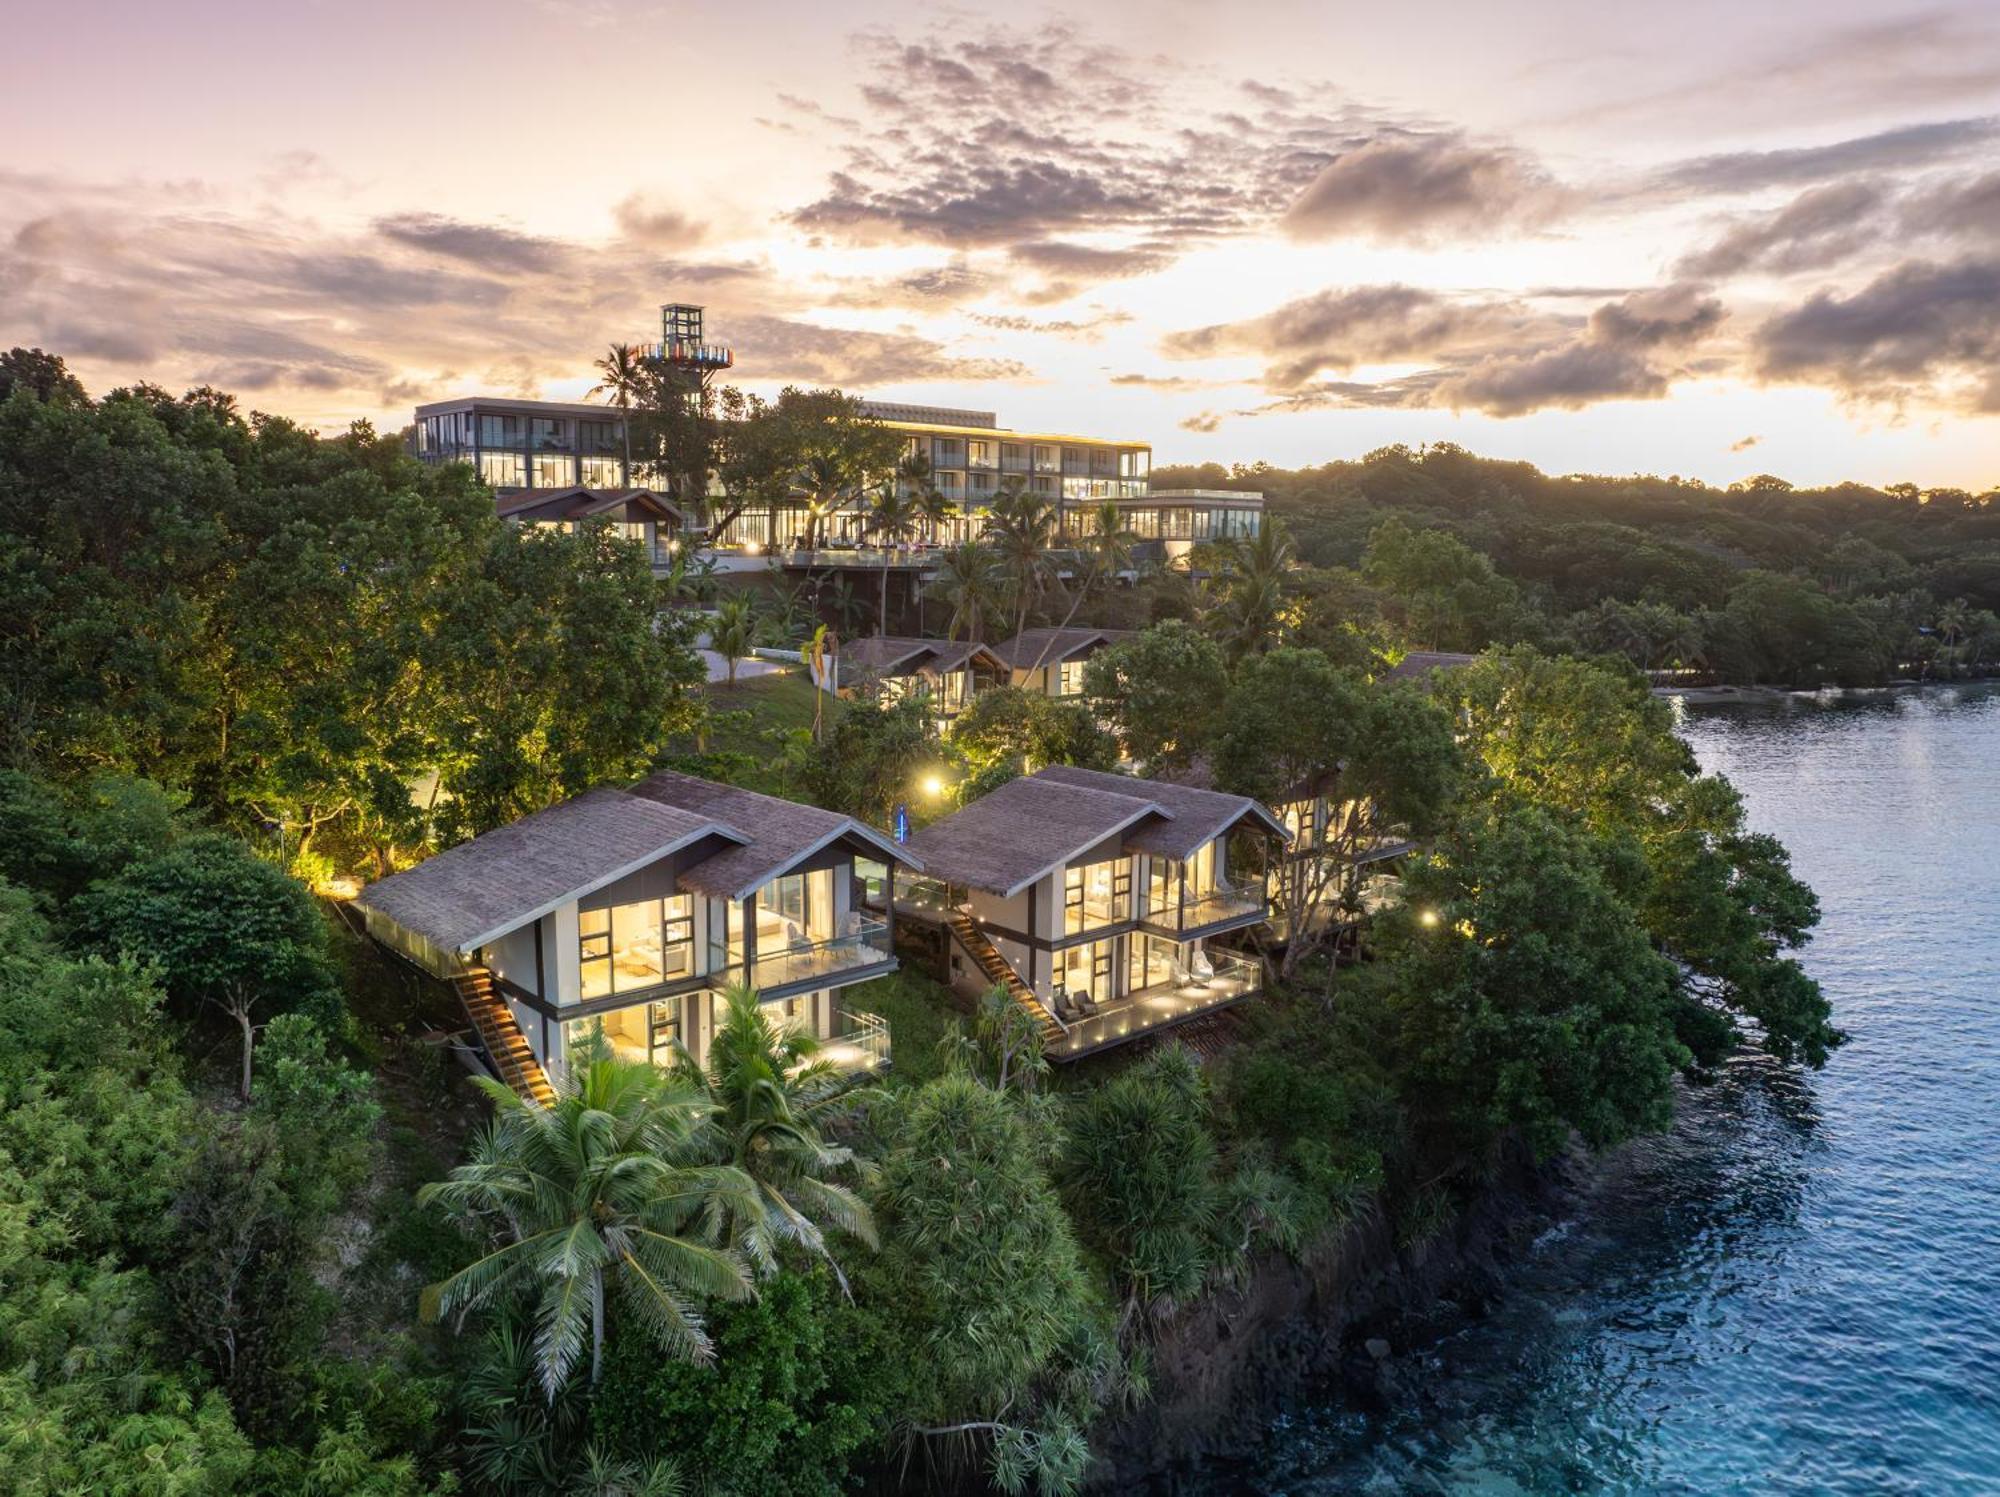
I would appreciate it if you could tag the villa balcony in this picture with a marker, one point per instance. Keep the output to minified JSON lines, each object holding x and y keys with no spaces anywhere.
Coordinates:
{"x":1217,"y":980}
{"x":814,"y":964}
{"x":859,"y":1045}
{"x":1222,"y":908}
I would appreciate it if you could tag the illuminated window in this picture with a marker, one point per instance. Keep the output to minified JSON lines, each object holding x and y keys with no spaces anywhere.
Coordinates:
{"x":633,"y":946}
{"x":554,"y":470}
{"x":1069,"y":678}
{"x":602,"y":473}
{"x":503,"y":470}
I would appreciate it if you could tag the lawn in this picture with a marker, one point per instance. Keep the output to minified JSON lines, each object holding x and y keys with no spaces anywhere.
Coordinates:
{"x":747,"y":731}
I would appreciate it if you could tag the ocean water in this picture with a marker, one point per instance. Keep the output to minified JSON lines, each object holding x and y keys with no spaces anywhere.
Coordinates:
{"x":1798,"y":1289}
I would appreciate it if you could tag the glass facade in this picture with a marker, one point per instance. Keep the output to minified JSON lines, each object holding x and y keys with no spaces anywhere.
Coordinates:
{"x":503,"y":470}
{"x":633,"y":946}
{"x":1096,"y":894}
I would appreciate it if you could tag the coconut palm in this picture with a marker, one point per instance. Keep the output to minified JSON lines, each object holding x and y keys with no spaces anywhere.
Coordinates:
{"x":622,"y":380}
{"x":892,"y":517}
{"x":1249,"y":612}
{"x":734,"y":633}
{"x":968,"y":582}
{"x":772,"y":1096}
{"x":1021,"y":525}
{"x":603,"y":1192}
{"x":825,"y":481}
{"x":1106,"y":547}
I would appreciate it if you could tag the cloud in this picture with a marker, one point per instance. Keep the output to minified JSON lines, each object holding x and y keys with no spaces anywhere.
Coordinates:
{"x":657,"y":225}
{"x":807,"y":353}
{"x":1909,"y":146}
{"x":1926,"y":330}
{"x":1817,"y":228}
{"x":1422,"y":188}
{"x":1161,"y":381}
{"x":1201,"y":421}
{"x":1744,"y":444}
{"x":480,"y":244}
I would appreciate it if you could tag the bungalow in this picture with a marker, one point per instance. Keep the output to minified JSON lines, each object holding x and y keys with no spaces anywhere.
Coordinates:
{"x":620,"y":914}
{"x":1091,"y":897}
{"x":891,"y":667}
{"x":1051,"y":661}
{"x":1418,"y":664}
{"x":644,"y":516}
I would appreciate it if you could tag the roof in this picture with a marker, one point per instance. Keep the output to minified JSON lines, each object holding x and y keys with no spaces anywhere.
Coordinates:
{"x":1027,"y":828}
{"x":575,"y":502}
{"x":477,"y":891}
{"x":781,"y":833}
{"x":1420,"y":663}
{"x":523,"y":407}
{"x":1199,"y":815}
{"x":902,"y":655}
{"x":1050,"y":645}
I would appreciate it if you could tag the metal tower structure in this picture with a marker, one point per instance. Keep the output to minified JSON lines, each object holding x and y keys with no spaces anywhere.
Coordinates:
{"x":683,"y":349}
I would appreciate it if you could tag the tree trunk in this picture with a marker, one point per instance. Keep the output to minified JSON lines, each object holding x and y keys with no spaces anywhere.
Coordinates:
{"x":240,"y":1011}
{"x":882,"y":621}
{"x":596,"y":1326}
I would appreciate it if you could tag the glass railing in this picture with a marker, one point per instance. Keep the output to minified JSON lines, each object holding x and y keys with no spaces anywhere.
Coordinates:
{"x":859,"y":1043}
{"x":919,"y":892}
{"x":866,"y":946}
{"x":1199,"y":982}
{"x":1223,"y":903}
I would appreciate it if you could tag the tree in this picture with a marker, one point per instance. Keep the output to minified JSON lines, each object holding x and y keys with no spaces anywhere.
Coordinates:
{"x":873,"y":760}
{"x":893,"y":517}
{"x":622,"y":381}
{"x":1021,"y":529}
{"x":1254,"y":602}
{"x":1295,"y":727}
{"x":733,"y":634}
{"x":40,"y":375}
{"x":1161,"y":693}
{"x":968,"y":583}
{"x":1528,"y":994}
{"x":224,"y":929}
{"x":1015,"y":730}
{"x":773,"y":1097}
{"x":599,"y":1194}
{"x":1106,"y":546}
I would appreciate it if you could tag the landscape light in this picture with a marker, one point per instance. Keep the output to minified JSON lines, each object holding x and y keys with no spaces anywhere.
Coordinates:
{"x":933,"y":786}
{"x":1429,"y":917}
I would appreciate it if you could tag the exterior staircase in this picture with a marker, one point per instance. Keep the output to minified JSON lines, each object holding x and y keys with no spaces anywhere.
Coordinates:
{"x":506,"y":1047}
{"x":994,"y":965}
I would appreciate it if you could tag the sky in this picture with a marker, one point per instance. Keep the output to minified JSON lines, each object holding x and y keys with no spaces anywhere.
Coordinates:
{"x":1710,"y":239}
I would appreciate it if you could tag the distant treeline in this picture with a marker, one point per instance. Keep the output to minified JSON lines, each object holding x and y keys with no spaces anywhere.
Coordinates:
{"x":1759,"y":582}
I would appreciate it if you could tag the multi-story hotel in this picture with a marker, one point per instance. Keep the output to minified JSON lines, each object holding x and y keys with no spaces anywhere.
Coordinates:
{"x":523,"y":446}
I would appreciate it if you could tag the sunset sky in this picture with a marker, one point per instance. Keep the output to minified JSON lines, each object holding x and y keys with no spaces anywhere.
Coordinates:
{"x":1703,"y":238}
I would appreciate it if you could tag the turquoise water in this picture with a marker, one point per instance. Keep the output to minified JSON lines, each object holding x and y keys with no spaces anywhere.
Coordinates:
{"x":1798,"y":1290}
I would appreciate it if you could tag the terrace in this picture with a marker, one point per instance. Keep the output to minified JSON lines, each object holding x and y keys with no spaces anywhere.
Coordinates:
{"x":1221,"y":908}
{"x":1188,"y":994}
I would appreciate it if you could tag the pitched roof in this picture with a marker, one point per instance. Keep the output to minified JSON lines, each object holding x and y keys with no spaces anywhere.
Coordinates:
{"x":1050,"y":645}
{"x":780,"y":833}
{"x":901,"y":655}
{"x":477,"y":891}
{"x":1199,"y":815}
{"x":1420,"y":663}
{"x":1006,"y":840}
{"x":577,"y":502}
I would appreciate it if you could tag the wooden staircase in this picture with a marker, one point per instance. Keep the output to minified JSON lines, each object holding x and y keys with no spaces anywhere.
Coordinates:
{"x":994,"y":965}
{"x":506,"y":1047}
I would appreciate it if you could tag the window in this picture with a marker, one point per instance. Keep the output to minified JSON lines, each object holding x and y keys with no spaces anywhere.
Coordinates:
{"x":979,"y":454}
{"x":554,"y":471}
{"x":633,"y":946}
{"x":545,"y":433}
{"x":499,"y":431}
{"x":503,"y":470}
{"x":597,"y":436}
{"x":1087,"y":969}
{"x":1096,"y":894}
{"x":1069,"y":678}
{"x":600,"y":472}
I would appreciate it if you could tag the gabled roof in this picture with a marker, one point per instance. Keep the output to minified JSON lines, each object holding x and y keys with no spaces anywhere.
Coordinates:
{"x":577,"y":502}
{"x":478,"y":891}
{"x":1006,"y":840}
{"x":1420,"y":663}
{"x":475,"y":893}
{"x":1012,"y":836}
{"x":901,"y":655}
{"x":1051,"y":645}
{"x":780,"y":833}
{"x":1198,"y":815}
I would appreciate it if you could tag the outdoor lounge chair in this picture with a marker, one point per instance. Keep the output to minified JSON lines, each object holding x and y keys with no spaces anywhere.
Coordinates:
{"x":1200,"y":969}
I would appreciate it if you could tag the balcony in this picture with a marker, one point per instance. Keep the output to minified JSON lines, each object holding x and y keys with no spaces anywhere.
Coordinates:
{"x":1224,"y":906}
{"x":1188,"y":994}
{"x":814,"y":963}
{"x":859,"y":1044}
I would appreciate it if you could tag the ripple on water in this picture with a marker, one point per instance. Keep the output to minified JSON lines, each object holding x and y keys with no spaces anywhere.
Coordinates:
{"x":1797,"y":1290}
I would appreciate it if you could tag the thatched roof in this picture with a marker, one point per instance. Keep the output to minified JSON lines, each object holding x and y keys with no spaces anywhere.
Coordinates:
{"x":1418,"y":664}
{"x":1021,"y":832}
{"x":474,"y":893}
{"x":477,"y":891}
{"x":1199,"y":815}
{"x":781,"y":833}
{"x":1049,"y":646}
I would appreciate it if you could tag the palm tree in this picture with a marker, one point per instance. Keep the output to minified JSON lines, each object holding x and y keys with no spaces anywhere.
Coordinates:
{"x":893,"y":517}
{"x":1022,"y":527}
{"x":1108,"y":545}
{"x":622,"y":380}
{"x":823,"y":480}
{"x":1953,"y":620}
{"x":605,"y":1190}
{"x":771,"y":1094}
{"x":968,"y":581}
{"x":1256,"y":596}
{"x":734,"y":633}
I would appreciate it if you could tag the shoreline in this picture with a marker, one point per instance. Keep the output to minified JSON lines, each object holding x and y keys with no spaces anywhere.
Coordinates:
{"x":1726,"y":695}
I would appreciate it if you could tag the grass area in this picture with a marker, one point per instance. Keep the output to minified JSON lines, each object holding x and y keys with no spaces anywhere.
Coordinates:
{"x":749,"y":728}
{"x":918,"y":1010}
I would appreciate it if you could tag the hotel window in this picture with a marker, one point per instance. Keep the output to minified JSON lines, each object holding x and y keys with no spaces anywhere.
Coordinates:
{"x":794,"y":911}
{"x":1144,"y":523}
{"x":499,"y":431}
{"x":1013,"y":458}
{"x":633,"y":946}
{"x":1087,"y":969}
{"x":597,"y":436}
{"x":602,"y":473}
{"x":1095,"y":895}
{"x":1134,"y":464}
{"x":979,"y":454}
{"x":1045,"y":458}
{"x":503,"y":470}
{"x":554,"y":470}
{"x":546,"y":433}
{"x":1045,"y":485}
{"x":950,"y":453}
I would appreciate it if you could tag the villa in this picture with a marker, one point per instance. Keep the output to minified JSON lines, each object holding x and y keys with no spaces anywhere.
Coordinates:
{"x":1092,"y":899}
{"x":1051,"y":661}
{"x":891,"y":668}
{"x":622,"y":913}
